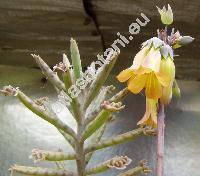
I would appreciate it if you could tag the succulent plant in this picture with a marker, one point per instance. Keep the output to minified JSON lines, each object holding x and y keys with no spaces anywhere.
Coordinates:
{"x":91,"y":105}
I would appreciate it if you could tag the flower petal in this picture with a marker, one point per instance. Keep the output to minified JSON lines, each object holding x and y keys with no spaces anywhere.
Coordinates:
{"x":166,"y":95}
{"x":154,"y":119}
{"x":137,"y":83}
{"x":150,"y":116}
{"x":139,"y":58}
{"x":153,"y":87}
{"x":152,"y":60}
{"x":167,"y":72}
{"x":125,"y":75}
{"x":144,"y":119}
{"x":142,"y":70}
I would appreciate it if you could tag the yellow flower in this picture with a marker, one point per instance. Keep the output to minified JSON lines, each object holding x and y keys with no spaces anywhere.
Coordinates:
{"x":149,"y":71}
{"x":166,"y":15}
{"x":153,"y":69}
{"x":147,"y":58}
{"x":166,"y":94}
{"x":169,"y":67}
{"x":150,"y":116}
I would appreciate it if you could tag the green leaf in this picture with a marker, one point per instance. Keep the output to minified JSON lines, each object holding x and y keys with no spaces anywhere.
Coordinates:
{"x":119,"y":139}
{"x":76,"y":61}
{"x":46,"y":70}
{"x":97,"y":123}
{"x":100,"y":80}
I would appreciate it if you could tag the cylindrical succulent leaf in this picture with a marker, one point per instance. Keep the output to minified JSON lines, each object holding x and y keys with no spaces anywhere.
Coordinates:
{"x":76,"y":61}
{"x":102,"y":75}
{"x":38,"y":171}
{"x":41,"y":155}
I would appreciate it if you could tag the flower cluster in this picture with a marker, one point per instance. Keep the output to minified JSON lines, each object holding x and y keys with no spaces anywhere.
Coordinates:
{"x":153,"y":69}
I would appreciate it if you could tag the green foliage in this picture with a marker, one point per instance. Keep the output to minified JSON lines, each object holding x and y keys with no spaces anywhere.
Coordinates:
{"x":91,"y":115}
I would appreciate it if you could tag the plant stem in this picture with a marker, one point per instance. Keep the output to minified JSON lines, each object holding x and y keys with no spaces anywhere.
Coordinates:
{"x":160,"y":141}
{"x":80,"y":159}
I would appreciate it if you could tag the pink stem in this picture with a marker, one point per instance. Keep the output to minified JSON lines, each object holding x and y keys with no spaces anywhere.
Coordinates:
{"x":160,"y":141}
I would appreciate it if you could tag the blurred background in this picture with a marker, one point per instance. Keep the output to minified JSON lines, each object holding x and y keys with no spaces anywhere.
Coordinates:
{"x":45,"y":27}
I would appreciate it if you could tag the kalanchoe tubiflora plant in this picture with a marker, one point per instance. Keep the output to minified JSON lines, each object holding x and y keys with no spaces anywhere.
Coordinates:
{"x":153,"y":71}
{"x":92,"y":109}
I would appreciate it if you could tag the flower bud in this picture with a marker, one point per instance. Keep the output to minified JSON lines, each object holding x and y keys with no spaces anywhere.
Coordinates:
{"x":166,"y":15}
{"x":166,"y":95}
{"x":176,"y":90}
{"x":182,"y":41}
{"x":185,"y":40}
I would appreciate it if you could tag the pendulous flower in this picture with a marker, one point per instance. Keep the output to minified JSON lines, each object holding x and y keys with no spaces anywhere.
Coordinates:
{"x":150,"y":116}
{"x":166,"y":15}
{"x":153,"y":69}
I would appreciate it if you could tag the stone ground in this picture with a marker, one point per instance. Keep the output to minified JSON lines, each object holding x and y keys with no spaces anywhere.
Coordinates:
{"x":21,"y":131}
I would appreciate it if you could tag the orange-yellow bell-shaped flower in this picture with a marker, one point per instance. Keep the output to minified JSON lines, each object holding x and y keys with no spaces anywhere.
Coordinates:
{"x":152,"y":69}
{"x":168,"y":66}
{"x":150,"y":116}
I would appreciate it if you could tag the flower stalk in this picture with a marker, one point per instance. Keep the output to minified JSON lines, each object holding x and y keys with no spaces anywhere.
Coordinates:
{"x":160,"y":141}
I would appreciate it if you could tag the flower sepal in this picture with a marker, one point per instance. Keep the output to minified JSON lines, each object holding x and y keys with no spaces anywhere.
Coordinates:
{"x":166,"y":15}
{"x":155,"y":42}
{"x":182,"y":41}
{"x":166,"y":51}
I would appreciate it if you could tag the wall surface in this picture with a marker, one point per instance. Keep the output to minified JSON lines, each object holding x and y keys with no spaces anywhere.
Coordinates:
{"x":45,"y":27}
